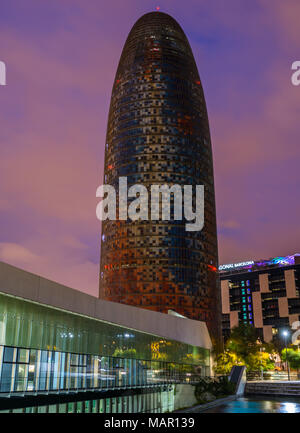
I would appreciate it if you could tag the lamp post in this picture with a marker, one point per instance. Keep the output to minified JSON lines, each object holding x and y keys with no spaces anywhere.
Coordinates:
{"x":261,"y":349}
{"x":261,"y":367}
{"x":285,"y":334}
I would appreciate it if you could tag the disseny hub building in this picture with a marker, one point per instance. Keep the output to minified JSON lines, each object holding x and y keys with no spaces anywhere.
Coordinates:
{"x":65,"y":351}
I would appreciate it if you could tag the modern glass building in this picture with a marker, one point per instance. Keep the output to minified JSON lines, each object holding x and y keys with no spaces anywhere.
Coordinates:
{"x":158,"y":133}
{"x":64,"y":351}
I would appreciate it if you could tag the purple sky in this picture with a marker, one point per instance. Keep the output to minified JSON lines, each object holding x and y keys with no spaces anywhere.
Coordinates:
{"x":61,"y":57}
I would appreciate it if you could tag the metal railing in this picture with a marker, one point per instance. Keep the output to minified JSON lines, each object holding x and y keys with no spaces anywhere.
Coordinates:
{"x":272,"y":376}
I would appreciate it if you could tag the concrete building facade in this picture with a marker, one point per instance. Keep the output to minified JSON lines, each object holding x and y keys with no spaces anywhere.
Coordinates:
{"x":263,"y":293}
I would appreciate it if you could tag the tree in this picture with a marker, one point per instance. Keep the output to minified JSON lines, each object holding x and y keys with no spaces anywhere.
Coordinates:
{"x":243,"y":340}
{"x":259,"y":360}
{"x":292,"y":356}
{"x":122,"y":353}
{"x":244,"y":348}
{"x":225,"y":361}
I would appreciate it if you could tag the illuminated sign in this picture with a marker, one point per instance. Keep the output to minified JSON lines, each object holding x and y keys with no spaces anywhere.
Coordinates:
{"x":280,"y":261}
{"x":236,"y":265}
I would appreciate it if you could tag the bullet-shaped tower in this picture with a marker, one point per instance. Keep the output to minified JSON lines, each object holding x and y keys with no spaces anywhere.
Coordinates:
{"x":158,"y":133}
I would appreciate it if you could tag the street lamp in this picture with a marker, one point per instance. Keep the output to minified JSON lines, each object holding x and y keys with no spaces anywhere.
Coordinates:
{"x":260,"y":361}
{"x":286,"y":334}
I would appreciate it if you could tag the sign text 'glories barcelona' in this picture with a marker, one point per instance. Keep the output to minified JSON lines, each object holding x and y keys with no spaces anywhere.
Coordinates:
{"x":159,"y":206}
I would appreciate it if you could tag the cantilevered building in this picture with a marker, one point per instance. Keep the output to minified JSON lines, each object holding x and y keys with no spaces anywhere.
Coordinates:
{"x":65,"y":351}
{"x":158,"y":133}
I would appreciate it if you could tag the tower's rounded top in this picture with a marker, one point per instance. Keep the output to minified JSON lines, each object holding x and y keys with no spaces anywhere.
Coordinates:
{"x":156,"y":34}
{"x":157,"y":18}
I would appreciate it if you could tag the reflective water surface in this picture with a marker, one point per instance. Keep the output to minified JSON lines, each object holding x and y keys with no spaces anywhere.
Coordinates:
{"x":259,"y":405}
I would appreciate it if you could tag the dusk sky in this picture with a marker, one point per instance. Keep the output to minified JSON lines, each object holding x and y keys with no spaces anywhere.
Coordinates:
{"x":61,"y":58}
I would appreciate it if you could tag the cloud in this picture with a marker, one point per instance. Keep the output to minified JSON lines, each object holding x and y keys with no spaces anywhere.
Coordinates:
{"x":64,"y":260}
{"x":287,"y":14}
{"x":14,"y":253}
{"x":61,"y":63}
{"x":231,"y":224}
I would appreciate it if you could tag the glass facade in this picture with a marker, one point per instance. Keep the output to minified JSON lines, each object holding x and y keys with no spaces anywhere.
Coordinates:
{"x":158,"y":133}
{"x":150,"y":402}
{"x":45,"y":370}
{"x":30,"y":325}
{"x":44,"y":349}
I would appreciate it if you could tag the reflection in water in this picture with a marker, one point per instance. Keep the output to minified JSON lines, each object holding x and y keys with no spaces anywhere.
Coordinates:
{"x":290,"y":407}
{"x":259,"y":405}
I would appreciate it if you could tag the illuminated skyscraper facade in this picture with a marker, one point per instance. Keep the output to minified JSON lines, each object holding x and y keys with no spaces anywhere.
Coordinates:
{"x":158,"y":133}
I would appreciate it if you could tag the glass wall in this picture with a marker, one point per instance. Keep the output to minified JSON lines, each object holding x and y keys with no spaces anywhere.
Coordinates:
{"x":27,"y":370}
{"x":154,"y":402}
{"x":47,"y":350}
{"x":30,"y":325}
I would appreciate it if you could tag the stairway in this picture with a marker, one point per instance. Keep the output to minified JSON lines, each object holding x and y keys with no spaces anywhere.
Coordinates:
{"x":272,"y":388}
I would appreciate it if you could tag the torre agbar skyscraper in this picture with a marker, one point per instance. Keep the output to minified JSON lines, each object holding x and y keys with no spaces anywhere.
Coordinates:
{"x":158,"y":133}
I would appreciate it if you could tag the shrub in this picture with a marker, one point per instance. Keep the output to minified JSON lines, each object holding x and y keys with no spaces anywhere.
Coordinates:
{"x":218,"y":387}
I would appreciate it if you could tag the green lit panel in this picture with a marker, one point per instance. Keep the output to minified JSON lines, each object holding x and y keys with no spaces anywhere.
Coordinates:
{"x":31,"y":325}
